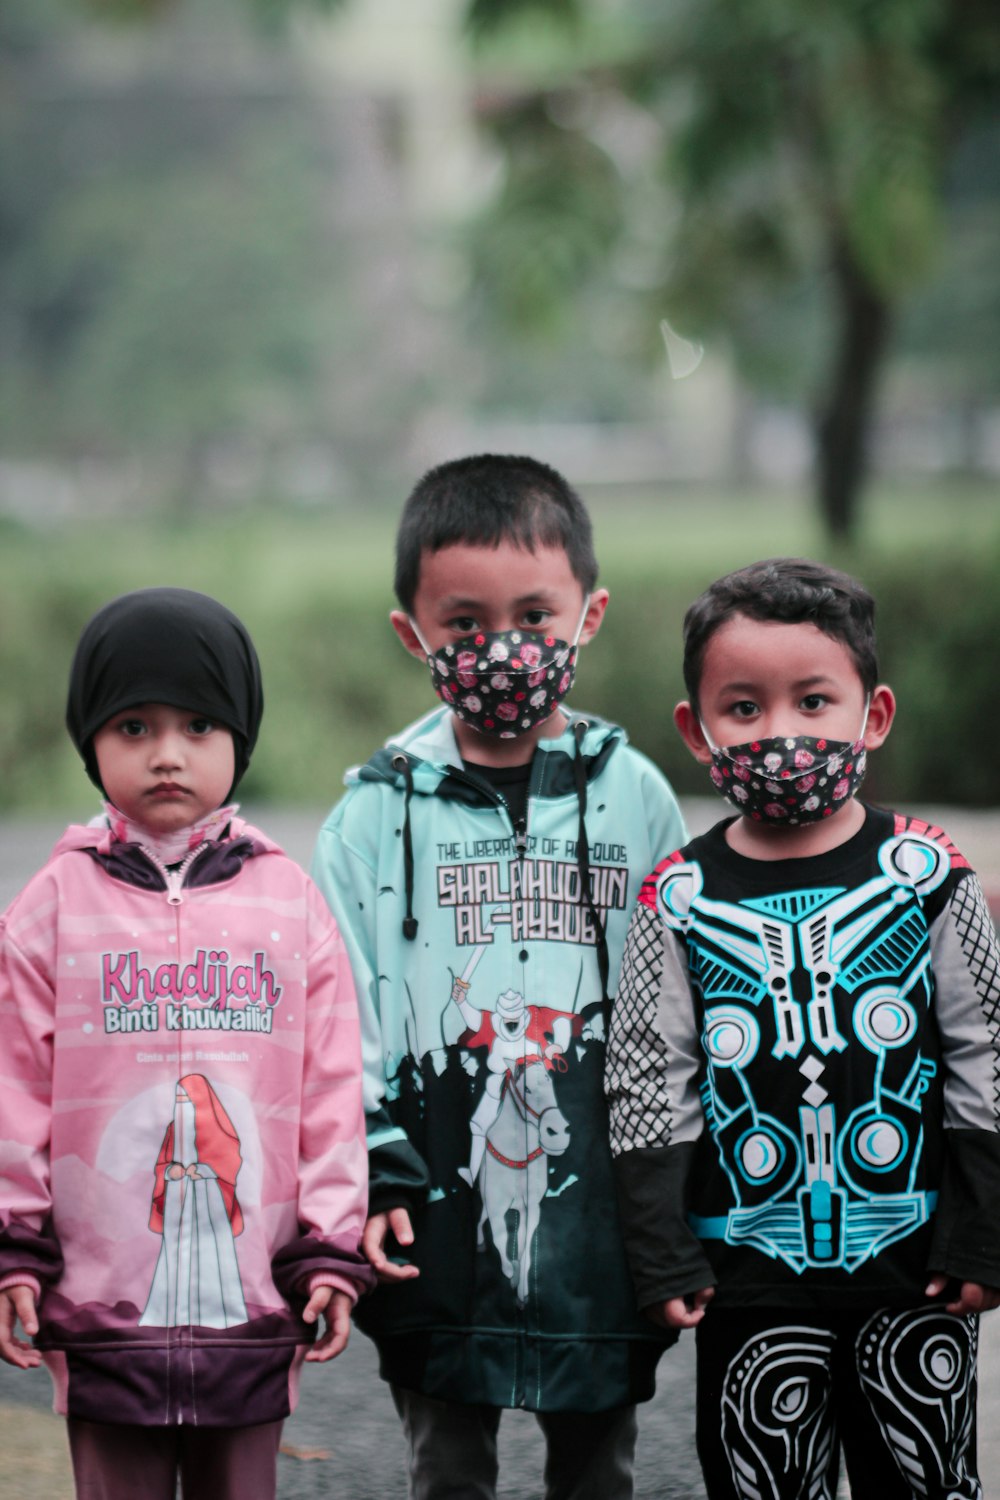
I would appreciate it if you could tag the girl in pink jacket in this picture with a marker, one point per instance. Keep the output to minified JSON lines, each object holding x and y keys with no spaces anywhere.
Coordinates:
{"x":182,"y":1158}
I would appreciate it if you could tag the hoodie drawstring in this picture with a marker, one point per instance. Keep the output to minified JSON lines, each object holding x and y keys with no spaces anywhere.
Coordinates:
{"x":402,"y":763}
{"x":583,"y":856}
{"x":410,"y":924}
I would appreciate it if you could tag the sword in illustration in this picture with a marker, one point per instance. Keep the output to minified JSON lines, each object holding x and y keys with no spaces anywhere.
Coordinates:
{"x":500,"y":913}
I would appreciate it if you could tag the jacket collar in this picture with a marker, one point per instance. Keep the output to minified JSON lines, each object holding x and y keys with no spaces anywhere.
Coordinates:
{"x":436,"y":765}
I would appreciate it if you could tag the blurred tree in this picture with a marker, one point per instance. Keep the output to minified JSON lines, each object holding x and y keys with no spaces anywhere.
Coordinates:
{"x":771,"y":171}
{"x":950,"y":332}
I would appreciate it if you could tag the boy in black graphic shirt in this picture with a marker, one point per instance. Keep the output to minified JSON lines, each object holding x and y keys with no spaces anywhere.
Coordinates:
{"x":804,"y":1071}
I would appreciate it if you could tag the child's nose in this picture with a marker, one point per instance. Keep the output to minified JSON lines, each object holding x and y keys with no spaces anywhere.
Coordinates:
{"x":168,"y":750}
{"x":776,"y":727}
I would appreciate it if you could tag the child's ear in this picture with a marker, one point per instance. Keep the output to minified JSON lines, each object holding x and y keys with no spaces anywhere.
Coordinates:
{"x":595,"y":614}
{"x":690,"y":730}
{"x":400,"y":622}
{"x":881,"y":712}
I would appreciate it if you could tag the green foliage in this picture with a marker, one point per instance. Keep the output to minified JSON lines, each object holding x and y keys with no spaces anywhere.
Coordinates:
{"x":485,"y":17}
{"x":774,"y":167}
{"x":556,"y":218}
{"x":937,"y":628}
{"x":315,"y":592}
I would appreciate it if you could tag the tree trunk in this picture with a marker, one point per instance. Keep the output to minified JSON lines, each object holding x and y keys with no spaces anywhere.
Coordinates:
{"x":863,"y":323}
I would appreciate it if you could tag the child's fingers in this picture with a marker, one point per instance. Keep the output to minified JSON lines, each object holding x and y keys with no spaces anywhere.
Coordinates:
{"x":333,"y":1340}
{"x":391,"y":1270}
{"x":399,"y":1223}
{"x":974,"y":1298}
{"x":23,"y":1299}
{"x":681,"y":1312}
{"x":373,"y":1244}
{"x":12,"y":1349}
{"x":373,"y":1239}
{"x":318,"y":1302}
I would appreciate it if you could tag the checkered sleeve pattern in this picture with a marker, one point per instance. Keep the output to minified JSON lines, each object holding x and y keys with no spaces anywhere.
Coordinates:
{"x":978,"y":940}
{"x":635,"y":1072}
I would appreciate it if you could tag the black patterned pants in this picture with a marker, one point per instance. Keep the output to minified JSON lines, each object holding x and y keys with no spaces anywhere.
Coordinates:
{"x":780,"y":1393}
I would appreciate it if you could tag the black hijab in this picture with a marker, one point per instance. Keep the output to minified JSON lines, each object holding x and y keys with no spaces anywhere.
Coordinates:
{"x":165,"y":646}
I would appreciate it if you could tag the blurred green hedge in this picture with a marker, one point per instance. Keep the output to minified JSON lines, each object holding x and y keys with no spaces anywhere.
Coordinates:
{"x":316,"y":593}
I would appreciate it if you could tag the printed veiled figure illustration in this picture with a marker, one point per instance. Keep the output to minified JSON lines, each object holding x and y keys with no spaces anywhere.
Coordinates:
{"x":197,"y":1278}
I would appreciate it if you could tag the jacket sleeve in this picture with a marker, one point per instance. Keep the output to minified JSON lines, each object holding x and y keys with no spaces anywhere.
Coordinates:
{"x":333,"y":1169}
{"x":27,"y":1008}
{"x":348,"y":878}
{"x":966,"y":962}
{"x":651,"y":1080}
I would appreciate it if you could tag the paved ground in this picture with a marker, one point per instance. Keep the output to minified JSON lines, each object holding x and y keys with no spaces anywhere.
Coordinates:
{"x":344,"y":1440}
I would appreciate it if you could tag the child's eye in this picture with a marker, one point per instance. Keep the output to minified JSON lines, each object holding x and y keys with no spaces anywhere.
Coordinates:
{"x":200,"y":727}
{"x":534,"y":619}
{"x":462,"y":624}
{"x":745,"y":709}
{"x":813,"y":701}
{"x":131,"y":728}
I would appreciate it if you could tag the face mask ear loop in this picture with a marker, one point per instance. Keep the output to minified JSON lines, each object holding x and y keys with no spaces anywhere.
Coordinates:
{"x":708,"y":738}
{"x":579,"y":629}
{"x":416,"y":631}
{"x":864,"y":721}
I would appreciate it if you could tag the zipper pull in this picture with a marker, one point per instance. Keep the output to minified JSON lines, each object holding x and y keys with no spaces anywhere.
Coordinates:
{"x":173,"y":879}
{"x":521,"y":837}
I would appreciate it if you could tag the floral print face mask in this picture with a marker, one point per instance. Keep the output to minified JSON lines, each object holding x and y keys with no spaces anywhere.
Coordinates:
{"x":790,"y":779}
{"x":503,"y":682}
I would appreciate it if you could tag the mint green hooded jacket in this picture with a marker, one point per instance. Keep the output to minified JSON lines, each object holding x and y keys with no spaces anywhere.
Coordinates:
{"x":479,"y":951}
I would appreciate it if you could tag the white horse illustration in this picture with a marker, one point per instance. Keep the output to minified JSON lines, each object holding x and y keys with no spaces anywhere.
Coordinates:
{"x":513,"y":1176}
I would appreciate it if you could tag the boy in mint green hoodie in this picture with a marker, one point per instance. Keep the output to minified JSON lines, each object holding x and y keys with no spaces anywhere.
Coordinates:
{"x":482,"y":867}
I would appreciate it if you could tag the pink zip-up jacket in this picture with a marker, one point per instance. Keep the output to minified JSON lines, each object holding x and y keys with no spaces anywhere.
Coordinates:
{"x":182,"y":1153}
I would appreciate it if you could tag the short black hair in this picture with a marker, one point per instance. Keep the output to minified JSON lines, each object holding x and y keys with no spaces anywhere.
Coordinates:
{"x":789,"y":589}
{"x":487,"y":499}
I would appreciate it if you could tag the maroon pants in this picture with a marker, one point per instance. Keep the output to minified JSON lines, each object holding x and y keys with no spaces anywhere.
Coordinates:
{"x":117,"y":1462}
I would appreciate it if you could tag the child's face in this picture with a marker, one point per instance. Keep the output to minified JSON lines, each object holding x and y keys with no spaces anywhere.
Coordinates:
{"x":762,"y":679}
{"x":464,"y":588}
{"x":164,"y":767}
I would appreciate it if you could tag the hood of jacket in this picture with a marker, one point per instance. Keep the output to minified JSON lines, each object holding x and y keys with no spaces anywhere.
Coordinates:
{"x":430,"y":748}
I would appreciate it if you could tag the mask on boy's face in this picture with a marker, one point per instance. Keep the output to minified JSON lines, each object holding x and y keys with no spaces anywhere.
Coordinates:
{"x":503,"y":682}
{"x":791,"y":779}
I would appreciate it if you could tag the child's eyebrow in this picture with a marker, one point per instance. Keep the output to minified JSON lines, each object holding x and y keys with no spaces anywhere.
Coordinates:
{"x":454,"y":601}
{"x":800,"y":685}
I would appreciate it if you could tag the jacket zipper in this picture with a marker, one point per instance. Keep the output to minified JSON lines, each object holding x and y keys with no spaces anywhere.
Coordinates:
{"x":173,"y":879}
{"x":518,"y":826}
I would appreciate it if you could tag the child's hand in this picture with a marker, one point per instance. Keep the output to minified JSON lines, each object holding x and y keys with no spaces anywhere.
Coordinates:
{"x":337,"y":1307}
{"x":397,"y":1220}
{"x":18,"y":1302}
{"x":973,"y":1297}
{"x":681,"y":1312}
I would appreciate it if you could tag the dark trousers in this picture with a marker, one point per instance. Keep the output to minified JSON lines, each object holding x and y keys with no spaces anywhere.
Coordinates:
{"x":780,"y":1393}
{"x":113,"y":1461}
{"x":453,"y":1450}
